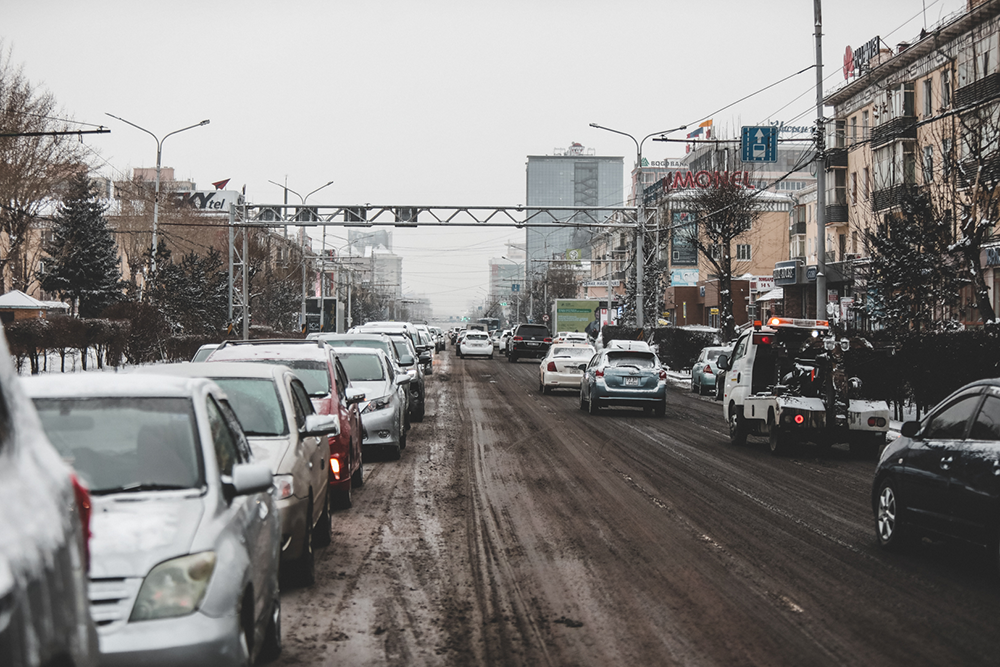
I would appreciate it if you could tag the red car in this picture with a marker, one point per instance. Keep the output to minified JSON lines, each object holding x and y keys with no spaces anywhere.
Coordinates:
{"x":324,"y":378}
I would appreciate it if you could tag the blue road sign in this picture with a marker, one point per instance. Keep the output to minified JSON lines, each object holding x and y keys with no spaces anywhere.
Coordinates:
{"x":515,"y":288}
{"x":759,"y":144}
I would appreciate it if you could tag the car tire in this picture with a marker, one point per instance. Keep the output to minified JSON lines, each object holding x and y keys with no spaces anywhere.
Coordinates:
{"x":592,"y":405}
{"x":324,"y":527}
{"x":891,"y":531}
{"x":358,"y":478}
{"x":270,"y":647}
{"x":418,"y":415}
{"x":777,"y":439}
{"x":395,"y":453}
{"x":342,"y":500}
{"x":491,"y":357}
{"x":512,"y":358}
{"x":583,"y":403}
{"x":737,"y":426}
{"x":305,"y":566}
{"x":694,"y":387}
{"x":245,"y":614}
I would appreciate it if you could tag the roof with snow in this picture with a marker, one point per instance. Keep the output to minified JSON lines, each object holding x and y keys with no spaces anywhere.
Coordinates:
{"x":18,"y":300}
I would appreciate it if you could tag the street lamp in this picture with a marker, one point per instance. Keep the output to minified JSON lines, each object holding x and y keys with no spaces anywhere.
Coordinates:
{"x":303,"y":241}
{"x":159,"y":153}
{"x":520,"y":264}
{"x":640,"y":215}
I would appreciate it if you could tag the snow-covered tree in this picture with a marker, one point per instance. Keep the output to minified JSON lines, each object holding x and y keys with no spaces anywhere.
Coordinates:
{"x":83,"y":265}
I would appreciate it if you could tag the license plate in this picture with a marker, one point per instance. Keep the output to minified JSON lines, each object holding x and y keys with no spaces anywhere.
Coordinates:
{"x":632,"y":382}
{"x":532,"y":343}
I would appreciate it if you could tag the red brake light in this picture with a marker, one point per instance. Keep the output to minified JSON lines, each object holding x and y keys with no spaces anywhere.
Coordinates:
{"x":82,"y":497}
{"x":599,"y":373}
{"x":762,"y":339}
{"x":546,"y":340}
{"x":516,"y":338}
{"x":551,"y":367}
{"x":708,"y":369}
{"x":663,"y":375}
{"x":799,"y":419}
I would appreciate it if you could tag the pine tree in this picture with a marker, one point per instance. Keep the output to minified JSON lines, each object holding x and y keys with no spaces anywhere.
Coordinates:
{"x":84,"y":258}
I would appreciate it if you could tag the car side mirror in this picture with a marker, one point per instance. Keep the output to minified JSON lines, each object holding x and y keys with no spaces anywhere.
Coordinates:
{"x":406,"y":360}
{"x":722,"y":363}
{"x":403,"y":378}
{"x":355,"y":396}
{"x":425,"y":356}
{"x":910,"y":429}
{"x":248,"y":478}
{"x":319,"y":425}
{"x":582,"y":367}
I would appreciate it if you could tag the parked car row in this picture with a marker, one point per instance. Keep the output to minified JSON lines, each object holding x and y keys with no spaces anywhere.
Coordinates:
{"x":183,"y":496}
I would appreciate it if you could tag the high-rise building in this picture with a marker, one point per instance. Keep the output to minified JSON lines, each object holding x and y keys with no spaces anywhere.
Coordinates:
{"x":574,"y":176}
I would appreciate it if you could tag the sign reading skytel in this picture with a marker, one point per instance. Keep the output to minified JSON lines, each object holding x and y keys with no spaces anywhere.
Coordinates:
{"x":759,"y":144}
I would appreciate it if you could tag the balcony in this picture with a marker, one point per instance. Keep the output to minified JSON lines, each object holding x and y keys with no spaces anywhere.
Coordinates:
{"x":904,"y":127}
{"x":836,"y":158}
{"x":890,"y":197}
{"x":977,"y":91}
{"x":836,"y":213}
{"x":796,"y":228}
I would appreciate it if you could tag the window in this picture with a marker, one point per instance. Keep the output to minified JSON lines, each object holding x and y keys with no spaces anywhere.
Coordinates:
{"x":950,"y":423}
{"x":854,"y":129}
{"x":987,"y":424}
{"x":715,"y":251}
{"x":743,"y":251}
{"x":928,"y":164}
{"x":928,"y":98}
{"x":977,"y":59}
{"x":854,"y":186}
{"x":945,"y":89}
{"x":946,"y":157}
{"x":865,"y":182}
{"x":222,"y":438}
{"x":300,"y":401}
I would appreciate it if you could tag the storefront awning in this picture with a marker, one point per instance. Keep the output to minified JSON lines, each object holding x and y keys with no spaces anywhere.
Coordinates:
{"x":777,"y":294}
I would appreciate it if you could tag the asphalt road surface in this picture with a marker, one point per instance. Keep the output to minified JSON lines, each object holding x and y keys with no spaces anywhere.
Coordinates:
{"x":518,"y":530}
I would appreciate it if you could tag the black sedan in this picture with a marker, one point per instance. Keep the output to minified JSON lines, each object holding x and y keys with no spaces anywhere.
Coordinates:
{"x":942,"y":476}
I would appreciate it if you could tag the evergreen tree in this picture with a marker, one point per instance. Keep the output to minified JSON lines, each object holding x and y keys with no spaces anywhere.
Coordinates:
{"x":84,"y":258}
{"x":192,"y":294}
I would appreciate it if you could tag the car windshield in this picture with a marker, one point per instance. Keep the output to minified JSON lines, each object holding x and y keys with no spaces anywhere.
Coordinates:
{"x":362,"y":367}
{"x":124,"y":444}
{"x":635,"y":359}
{"x":476,"y":336}
{"x":315,"y":375}
{"x":712,"y":355}
{"x":257,"y":405}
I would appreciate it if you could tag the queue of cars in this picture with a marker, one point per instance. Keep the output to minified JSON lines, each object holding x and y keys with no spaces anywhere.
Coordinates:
{"x":181,"y":497}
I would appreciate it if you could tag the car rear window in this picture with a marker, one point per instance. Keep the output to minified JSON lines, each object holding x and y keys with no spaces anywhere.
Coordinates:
{"x":572,"y":352}
{"x":257,"y":405}
{"x":533,"y":331}
{"x":315,"y":375}
{"x":122,"y":444}
{"x":477,"y":336}
{"x":362,"y":367}
{"x":637,"y":359}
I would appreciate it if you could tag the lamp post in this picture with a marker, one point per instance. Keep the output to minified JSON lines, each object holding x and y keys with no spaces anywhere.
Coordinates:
{"x":518,"y":307}
{"x":302,"y":315}
{"x":640,"y":215}
{"x":159,"y":154}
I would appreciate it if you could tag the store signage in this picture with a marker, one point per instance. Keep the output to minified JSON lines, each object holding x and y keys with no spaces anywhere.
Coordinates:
{"x":786,"y":273}
{"x":791,"y":129}
{"x":689,"y":180}
{"x":762,"y":284}
{"x":209,"y":201}
{"x":601,"y":283}
{"x":856,"y":61}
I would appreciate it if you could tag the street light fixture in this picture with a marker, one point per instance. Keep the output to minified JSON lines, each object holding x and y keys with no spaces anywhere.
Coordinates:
{"x":287,"y":189}
{"x":159,"y":154}
{"x":640,"y":218}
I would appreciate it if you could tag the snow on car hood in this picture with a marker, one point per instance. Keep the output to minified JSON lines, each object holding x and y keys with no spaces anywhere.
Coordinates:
{"x":274,"y":451}
{"x":373,"y":389}
{"x":133,"y":532}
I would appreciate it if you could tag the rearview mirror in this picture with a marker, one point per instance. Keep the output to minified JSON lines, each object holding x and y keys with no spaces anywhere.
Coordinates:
{"x":909,"y":429}
{"x":355,"y":396}
{"x":248,"y":478}
{"x":722,"y":362}
{"x":319,"y":425}
{"x":403,"y":378}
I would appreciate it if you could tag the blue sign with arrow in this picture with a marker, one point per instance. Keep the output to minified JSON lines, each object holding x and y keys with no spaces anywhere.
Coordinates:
{"x":759,"y":144}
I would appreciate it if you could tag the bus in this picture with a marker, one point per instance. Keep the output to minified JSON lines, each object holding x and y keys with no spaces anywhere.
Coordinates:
{"x":492,"y":323}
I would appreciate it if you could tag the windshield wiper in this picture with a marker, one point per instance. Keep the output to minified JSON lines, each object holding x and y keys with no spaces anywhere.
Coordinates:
{"x":137,"y":486}
{"x":260,"y":433}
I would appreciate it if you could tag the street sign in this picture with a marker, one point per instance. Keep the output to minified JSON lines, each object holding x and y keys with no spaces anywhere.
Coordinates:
{"x":545,"y":318}
{"x":515,"y":287}
{"x":759,"y":144}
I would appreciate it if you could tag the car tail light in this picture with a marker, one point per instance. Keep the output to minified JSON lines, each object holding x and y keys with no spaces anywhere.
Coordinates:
{"x":518,"y":338}
{"x":708,"y":369}
{"x":82,"y":497}
{"x":599,"y":373}
{"x":663,"y":375}
{"x":335,"y":467}
{"x":551,"y":367}
{"x":799,"y":419}
{"x":761,"y":339}
{"x":546,"y":340}
{"x":876,"y":421}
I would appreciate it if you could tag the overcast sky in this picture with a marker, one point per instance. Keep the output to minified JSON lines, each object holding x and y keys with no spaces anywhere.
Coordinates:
{"x":432,"y":102}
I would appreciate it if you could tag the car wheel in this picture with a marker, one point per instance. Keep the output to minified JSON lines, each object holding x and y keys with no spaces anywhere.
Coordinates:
{"x":694,"y":387}
{"x":592,"y":406}
{"x":246,"y":630}
{"x":418,"y":415}
{"x":491,"y":357}
{"x":891,"y":531}
{"x":512,"y":358}
{"x":270,"y":648}
{"x":358,"y":478}
{"x":777,"y":439}
{"x":305,"y":566}
{"x":396,"y":452}
{"x":701,"y":390}
{"x":342,"y":499}
{"x":737,"y":426}
{"x":325,"y":525}
{"x":583,"y":403}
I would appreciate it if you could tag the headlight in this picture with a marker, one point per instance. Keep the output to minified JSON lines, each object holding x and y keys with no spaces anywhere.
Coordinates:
{"x":377,"y":404}
{"x":174,"y":588}
{"x":284,"y":487}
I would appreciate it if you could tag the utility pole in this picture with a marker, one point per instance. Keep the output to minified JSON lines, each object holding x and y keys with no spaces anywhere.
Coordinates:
{"x":820,"y":170}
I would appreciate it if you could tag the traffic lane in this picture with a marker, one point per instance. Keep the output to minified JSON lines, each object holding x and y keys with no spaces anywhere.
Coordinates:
{"x":796,"y":532}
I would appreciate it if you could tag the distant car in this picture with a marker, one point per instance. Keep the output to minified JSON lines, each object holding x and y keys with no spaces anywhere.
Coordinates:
{"x":186,"y":532}
{"x":529,"y":340}
{"x":560,"y":368}
{"x":623,"y":377}
{"x":939,"y":477}
{"x":273,"y":408}
{"x":409,"y":359}
{"x":476,"y":344}
{"x":570,"y":337}
{"x":44,"y":617}
{"x":704,"y":370}
{"x":330,"y":391}
{"x":383,"y":412}
{"x":502,"y":341}
{"x":634,"y":345}
{"x":204,"y":351}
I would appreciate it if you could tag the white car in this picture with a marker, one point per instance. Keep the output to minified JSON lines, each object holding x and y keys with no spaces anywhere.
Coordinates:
{"x":560,"y":368}
{"x":570,"y":337}
{"x":476,"y":343}
{"x":630,"y":345}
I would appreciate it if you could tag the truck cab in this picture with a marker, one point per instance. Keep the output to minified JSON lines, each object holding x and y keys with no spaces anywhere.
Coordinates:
{"x":786,"y":380}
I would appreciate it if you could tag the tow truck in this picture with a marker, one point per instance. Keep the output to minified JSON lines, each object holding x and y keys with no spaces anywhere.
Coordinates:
{"x":786,"y":380}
